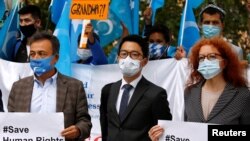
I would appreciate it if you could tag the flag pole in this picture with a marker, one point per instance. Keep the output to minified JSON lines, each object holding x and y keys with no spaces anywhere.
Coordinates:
{"x":183,"y":23}
{"x":150,"y":3}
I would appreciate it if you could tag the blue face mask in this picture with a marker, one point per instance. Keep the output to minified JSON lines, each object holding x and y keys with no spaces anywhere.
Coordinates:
{"x":156,"y":51}
{"x":209,"y":31}
{"x":41,"y":66}
{"x":209,"y":69}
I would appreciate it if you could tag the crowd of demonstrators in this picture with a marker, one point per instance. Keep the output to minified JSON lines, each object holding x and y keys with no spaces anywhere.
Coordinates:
{"x":126,"y":102}
{"x":93,"y":54}
{"x":49,"y":91}
{"x":158,"y":36}
{"x":29,"y":23}
{"x":1,"y":102}
{"x":217,"y":90}
{"x":211,"y":25}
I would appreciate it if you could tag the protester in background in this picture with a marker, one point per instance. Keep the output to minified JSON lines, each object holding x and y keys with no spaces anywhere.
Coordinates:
{"x":159,"y":38}
{"x":211,"y":24}
{"x":1,"y":102}
{"x":49,"y":91}
{"x":131,"y":106}
{"x":217,"y":90}
{"x":29,"y":23}
{"x":248,"y":6}
{"x":94,"y":53}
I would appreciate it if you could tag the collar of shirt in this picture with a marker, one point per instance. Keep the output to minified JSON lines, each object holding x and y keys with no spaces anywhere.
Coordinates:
{"x":133,"y":83}
{"x":44,"y":96}
{"x":51,"y":80}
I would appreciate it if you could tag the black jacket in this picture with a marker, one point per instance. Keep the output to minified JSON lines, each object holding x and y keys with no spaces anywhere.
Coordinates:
{"x":147,"y":105}
{"x":1,"y":102}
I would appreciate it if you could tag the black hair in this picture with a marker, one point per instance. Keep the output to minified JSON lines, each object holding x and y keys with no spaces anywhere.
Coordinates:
{"x":212,"y":9}
{"x":31,"y":9}
{"x":160,"y":28}
{"x":43,"y":35}
{"x":139,"y":40}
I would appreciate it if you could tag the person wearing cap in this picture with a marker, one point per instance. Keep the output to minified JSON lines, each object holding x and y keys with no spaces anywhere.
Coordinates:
{"x":94,"y":53}
{"x":211,"y":25}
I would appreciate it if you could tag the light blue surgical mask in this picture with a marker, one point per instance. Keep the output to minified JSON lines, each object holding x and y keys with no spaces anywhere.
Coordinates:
{"x":209,"y":69}
{"x":84,"y":54}
{"x":41,"y":66}
{"x":209,"y":31}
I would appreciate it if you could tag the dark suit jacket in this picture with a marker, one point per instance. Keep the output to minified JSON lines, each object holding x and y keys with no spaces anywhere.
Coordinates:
{"x":232,"y":107}
{"x":1,"y":102}
{"x":147,"y":105}
{"x":71,"y":100}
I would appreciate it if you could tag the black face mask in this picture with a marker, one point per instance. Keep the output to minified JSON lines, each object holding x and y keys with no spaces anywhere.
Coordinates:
{"x":28,"y":30}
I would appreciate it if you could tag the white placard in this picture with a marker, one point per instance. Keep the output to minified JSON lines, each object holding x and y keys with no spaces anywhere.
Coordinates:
{"x":31,"y":127}
{"x":183,"y":131}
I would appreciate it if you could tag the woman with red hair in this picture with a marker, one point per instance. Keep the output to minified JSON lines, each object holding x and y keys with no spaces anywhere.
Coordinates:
{"x":217,"y":91}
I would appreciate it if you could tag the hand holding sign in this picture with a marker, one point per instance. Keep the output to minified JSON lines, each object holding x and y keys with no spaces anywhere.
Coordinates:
{"x":71,"y":132}
{"x":89,"y":32}
{"x":155,"y":132}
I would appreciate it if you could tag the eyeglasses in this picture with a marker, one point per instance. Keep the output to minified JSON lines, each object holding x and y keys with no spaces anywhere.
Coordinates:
{"x":210,"y":56}
{"x":133,"y":54}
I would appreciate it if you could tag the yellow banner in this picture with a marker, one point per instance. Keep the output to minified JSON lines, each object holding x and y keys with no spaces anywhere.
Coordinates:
{"x":89,"y":9}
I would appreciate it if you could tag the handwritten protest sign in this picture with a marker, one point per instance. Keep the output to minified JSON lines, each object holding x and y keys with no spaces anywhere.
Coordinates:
{"x":89,"y":9}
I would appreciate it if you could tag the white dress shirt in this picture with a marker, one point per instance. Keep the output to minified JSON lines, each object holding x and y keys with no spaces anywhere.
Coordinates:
{"x":134,"y":84}
{"x":44,"y":96}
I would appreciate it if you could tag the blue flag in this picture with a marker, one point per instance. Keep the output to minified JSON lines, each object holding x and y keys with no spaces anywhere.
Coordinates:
{"x":113,"y":55}
{"x":62,"y":32}
{"x":135,"y":15}
{"x":8,"y":34}
{"x":127,"y":11}
{"x":189,"y":32}
{"x":108,"y":30}
{"x":55,"y":9}
{"x":155,"y":4}
{"x":2,"y":9}
{"x":75,"y":31}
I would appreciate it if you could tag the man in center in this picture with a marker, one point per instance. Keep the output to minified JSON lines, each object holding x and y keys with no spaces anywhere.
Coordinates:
{"x":132,"y":105}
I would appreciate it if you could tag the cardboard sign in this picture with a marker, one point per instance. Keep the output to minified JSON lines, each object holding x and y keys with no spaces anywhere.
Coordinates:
{"x":89,"y":9}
